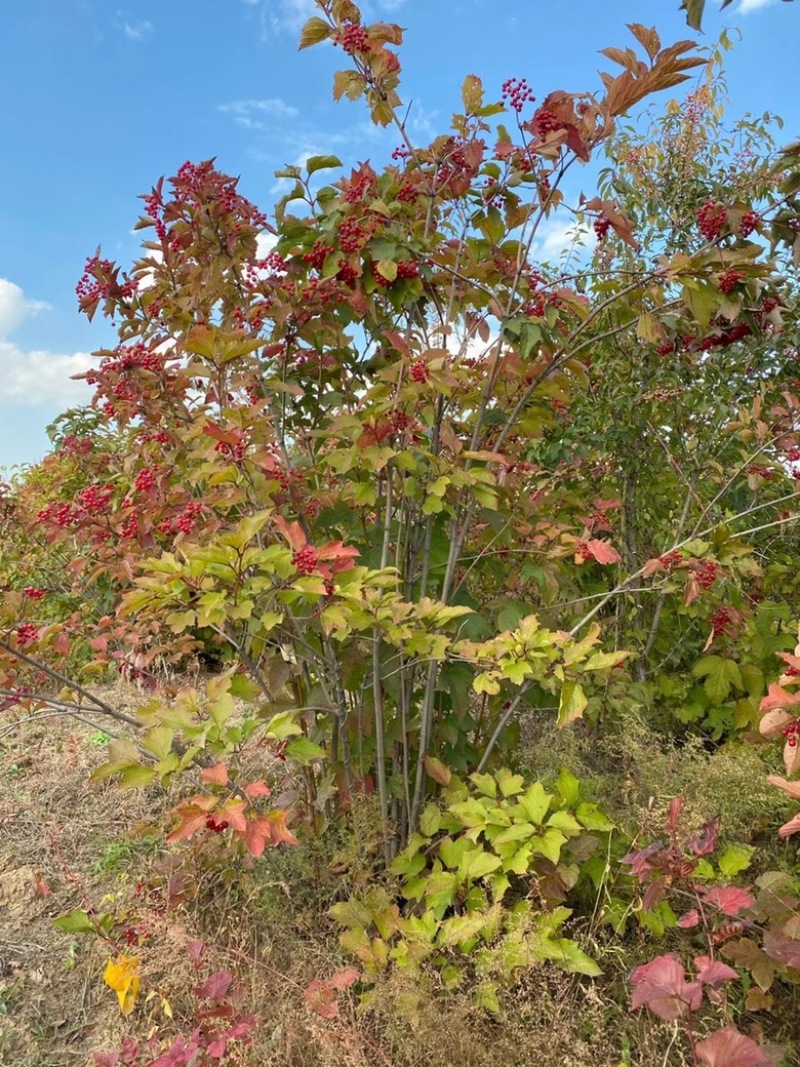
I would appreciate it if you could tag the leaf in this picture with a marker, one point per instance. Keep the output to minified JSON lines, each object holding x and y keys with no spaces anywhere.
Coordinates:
{"x":535,"y":803}
{"x":720,"y":676}
{"x":437,"y":770}
{"x":713,"y":972}
{"x":661,"y":986}
{"x":216,"y":775}
{"x":731,"y":1048}
{"x":314,"y":31}
{"x":122,"y":975}
{"x":603,"y":552}
{"x":461,"y":928}
{"x":735,"y":858}
{"x":216,"y":986}
{"x":315,"y":163}
{"x":304,"y":751}
{"x":510,"y":784}
{"x":729,"y":899}
{"x":601,"y":661}
{"x":572,"y":703}
{"x":472,"y":94}
{"x":75,"y":922}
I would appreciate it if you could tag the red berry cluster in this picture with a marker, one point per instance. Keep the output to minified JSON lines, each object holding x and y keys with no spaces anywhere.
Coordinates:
{"x":407,"y":268}
{"x":711,"y":220}
{"x":351,"y":235}
{"x":792,"y":733}
{"x":236,"y":451}
{"x":408,"y":193}
{"x":353,"y":39}
{"x":187,"y":519}
{"x":760,"y":471}
{"x":27,"y":634}
{"x":400,"y":422}
{"x":306,"y":559}
{"x":359,"y":188}
{"x":728,"y":280}
{"x":130,"y":527}
{"x":751,"y":220}
{"x":706,"y":573}
{"x":720,"y":621}
{"x":671,"y":560}
{"x":601,"y":228}
{"x":400,"y":153}
{"x":583,"y":552}
{"x":346,"y":274}
{"x":769,"y":303}
{"x":419,"y":372}
{"x":666,"y":349}
{"x":33,"y":593}
{"x":216,"y":826}
{"x":90,"y":287}
{"x":95,"y":498}
{"x":318,"y":254}
{"x":145,"y":480}
{"x":545,"y":121}
{"x":517,"y":93}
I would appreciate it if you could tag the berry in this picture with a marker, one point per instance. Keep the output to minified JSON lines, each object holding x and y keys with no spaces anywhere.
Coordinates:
{"x":145,"y":480}
{"x":34,"y":594}
{"x":601,"y":228}
{"x":720,"y":621}
{"x":751,"y":220}
{"x":728,"y":280}
{"x":711,"y":220}
{"x":419,"y":372}
{"x":518,"y":93}
{"x":305,"y":559}
{"x":671,"y":560}
{"x":706,"y":574}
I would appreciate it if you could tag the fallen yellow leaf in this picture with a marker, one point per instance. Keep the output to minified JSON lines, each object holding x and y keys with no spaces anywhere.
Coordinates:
{"x":122,"y":975}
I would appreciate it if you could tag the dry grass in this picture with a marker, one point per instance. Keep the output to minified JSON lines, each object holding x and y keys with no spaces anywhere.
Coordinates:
{"x":65,"y":843}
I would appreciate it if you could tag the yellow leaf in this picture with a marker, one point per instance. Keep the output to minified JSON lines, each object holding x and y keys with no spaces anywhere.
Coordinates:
{"x":122,"y":975}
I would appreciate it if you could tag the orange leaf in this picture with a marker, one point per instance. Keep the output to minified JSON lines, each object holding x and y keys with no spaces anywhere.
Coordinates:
{"x":603,"y":552}
{"x":217,"y":775}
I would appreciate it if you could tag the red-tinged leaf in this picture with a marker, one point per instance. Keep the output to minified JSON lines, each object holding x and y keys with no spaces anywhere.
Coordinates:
{"x":778,"y":697}
{"x":790,"y":827}
{"x":603,"y":552}
{"x":774,"y":723}
{"x":654,"y":894}
{"x":729,"y":899}
{"x":292,"y":531}
{"x":712,"y":972}
{"x":195,"y":950}
{"x":674,"y":813}
{"x":783,"y":949}
{"x":692,"y":590}
{"x":689,"y":919}
{"x":187,"y":827}
{"x":217,"y":1048}
{"x":337,"y":550}
{"x":345,"y":978}
{"x":661,"y":986}
{"x":706,"y":841}
{"x":731,"y":1048}
{"x":320,"y":996}
{"x":40,"y":887}
{"x":234,"y":813}
{"x":215,"y":986}
{"x":278,"y":830}
{"x":653,"y":566}
{"x":216,"y":775}
{"x":255,"y":838}
{"x":225,"y":437}
{"x":791,"y":755}
{"x":257,"y":789}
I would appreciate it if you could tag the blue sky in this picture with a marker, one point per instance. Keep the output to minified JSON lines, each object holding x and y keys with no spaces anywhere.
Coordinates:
{"x":103,"y":96}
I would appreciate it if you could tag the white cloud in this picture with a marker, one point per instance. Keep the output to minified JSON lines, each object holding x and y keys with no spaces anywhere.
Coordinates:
{"x":15,"y":308}
{"x":252,"y":113}
{"x":35,"y":377}
{"x":747,"y":6}
{"x":557,"y":237}
{"x":136,"y":31}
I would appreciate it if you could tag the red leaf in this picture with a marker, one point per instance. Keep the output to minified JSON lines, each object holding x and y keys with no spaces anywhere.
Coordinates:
{"x":706,"y":841}
{"x":689,"y":919}
{"x":774,"y":722}
{"x":257,"y":789}
{"x":195,"y":950}
{"x":216,"y":775}
{"x":320,"y":996}
{"x":215,"y":986}
{"x":674,"y":813}
{"x":603,"y":552}
{"x":345,"y":978}
{"x":730,"y":899}
{"x":730,"y":1048}
{"x":651,"y":567}
{"x":712,"y":972}
{"x":661,"y":986}
{"x":777,"y":697}
{"x":791,"y":755}
{"x":255,"y":838}
{"x":292,"y":531}
{"x":790,"y":827}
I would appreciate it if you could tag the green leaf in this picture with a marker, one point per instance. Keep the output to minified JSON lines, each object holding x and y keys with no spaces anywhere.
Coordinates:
{"x":592,"y":818}
{"x":75,"y":922}
{"x":304,"y":751}
{"x":283,"y":725}
{"x":572,"y":704}
{"x":568,"y":957}
{"x":478,"y":864}
{"x":568,"y":787}
{"x":510,"y":784}
{"x":734,"y":859}
{"x":549,"y":844}
{"x":484,"y":783}
{"x":461,"y":928}
{"x":720,"y":675}
{"x":315,"y":163}
{"x":314,"y":31}
{"x":535,"y":803}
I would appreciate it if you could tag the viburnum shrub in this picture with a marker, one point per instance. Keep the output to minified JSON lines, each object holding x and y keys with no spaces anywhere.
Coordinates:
{"x":390,"y":463}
